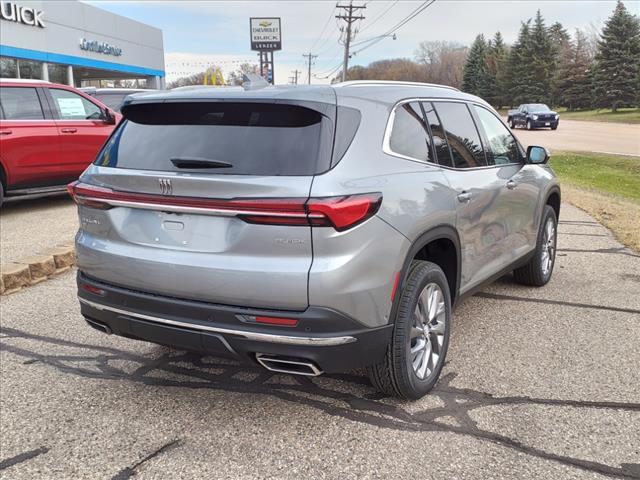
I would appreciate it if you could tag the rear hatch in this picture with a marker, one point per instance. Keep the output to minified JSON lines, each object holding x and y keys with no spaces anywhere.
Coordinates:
{"x":205,"y":199}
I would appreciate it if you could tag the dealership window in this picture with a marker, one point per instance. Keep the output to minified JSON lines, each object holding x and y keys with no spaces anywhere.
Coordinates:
{"x":57,"y":73}
{"x":8,"y":67}
{"x":30,"y":69}
{"x":71,"y":106}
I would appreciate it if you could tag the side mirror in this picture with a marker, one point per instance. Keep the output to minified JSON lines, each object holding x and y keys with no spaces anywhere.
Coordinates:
{"x":537,"y":155}
{"x":109,"y":117}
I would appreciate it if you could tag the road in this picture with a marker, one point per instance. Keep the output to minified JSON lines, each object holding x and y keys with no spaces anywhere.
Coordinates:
{"x":539,"y":384}
{"x":573,"y":135}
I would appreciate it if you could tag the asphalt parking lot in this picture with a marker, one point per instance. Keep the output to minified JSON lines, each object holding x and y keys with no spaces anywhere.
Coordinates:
{"x":540,"y":383}
{"x":574,"y":135}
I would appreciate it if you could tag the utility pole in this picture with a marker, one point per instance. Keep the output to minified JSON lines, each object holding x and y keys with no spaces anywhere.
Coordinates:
{"x":348,"y":17}
{"x":294,"y":79}
{"x":309,"y":58}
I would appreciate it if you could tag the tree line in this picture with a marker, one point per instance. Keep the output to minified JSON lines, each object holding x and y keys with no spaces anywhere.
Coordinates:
{"x":545,"y":65}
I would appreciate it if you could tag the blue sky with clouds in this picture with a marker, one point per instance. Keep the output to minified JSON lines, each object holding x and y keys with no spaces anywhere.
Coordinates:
{"x":220,"y":29}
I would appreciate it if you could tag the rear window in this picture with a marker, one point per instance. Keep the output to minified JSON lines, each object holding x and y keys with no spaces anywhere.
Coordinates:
{"x":17,"y":103}
{"x":221,"y":138}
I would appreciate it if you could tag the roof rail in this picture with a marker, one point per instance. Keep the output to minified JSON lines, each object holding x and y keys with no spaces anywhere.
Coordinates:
{"x":23,"y":80}
{"x":360,"y":83}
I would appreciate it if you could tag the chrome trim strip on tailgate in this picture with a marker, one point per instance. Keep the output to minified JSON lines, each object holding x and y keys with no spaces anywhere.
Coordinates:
{"x":259,"y":337}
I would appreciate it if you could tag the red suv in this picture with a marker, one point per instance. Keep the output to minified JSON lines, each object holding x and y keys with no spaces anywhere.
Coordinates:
{"x":49,"y":133}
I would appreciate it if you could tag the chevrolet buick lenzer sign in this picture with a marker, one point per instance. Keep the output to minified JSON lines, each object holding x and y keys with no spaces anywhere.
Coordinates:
{"x":265,"y":34}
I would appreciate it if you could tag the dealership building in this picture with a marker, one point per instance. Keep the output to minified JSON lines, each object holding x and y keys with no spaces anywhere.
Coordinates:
{"x":78,"y":44}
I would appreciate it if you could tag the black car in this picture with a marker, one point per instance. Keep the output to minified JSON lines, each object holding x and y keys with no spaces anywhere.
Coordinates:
{"x":533,"y":115}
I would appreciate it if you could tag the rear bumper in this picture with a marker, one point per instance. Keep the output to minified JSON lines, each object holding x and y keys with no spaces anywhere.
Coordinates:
{"x":329,"y":339}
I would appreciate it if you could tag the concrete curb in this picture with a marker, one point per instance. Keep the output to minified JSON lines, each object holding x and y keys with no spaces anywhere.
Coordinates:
{"x":36,"y":268}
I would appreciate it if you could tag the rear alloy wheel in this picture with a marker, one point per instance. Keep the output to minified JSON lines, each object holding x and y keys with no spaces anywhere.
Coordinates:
{"x":420,"y":339}
{"x":539,"y":269}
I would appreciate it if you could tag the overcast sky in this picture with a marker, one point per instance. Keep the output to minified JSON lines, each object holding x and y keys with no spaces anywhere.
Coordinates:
{"x":200,"y":32}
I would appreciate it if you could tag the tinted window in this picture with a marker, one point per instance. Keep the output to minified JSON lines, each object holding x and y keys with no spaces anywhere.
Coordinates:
{"x":252,"y":138}
{"x":111,"y":100}
{"x":462,"y":135}
{"x":439,"y":138}
{"x":19,"y":103}
{"x":71,"y":106}
{"x":502,"y":148}
{"x":410,"y":134}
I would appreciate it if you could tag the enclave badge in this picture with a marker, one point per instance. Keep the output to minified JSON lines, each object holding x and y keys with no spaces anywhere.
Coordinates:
{"x":165,"y":186}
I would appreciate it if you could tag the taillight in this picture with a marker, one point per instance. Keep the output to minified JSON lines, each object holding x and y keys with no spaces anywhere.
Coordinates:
{"x":343,"y":213}
{"x":340,"y":213}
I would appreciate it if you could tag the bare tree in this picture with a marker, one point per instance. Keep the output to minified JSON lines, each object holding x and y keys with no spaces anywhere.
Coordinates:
{"x":443,"y":61}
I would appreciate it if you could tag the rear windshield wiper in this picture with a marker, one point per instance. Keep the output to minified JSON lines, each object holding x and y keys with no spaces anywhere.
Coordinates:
{"x":197,"y":162}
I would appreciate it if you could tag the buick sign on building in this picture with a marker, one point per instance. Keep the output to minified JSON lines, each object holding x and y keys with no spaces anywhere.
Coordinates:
{"x":78,"y":44}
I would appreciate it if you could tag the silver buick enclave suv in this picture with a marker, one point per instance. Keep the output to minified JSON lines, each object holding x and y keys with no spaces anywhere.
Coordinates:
{"x":310,"y":229}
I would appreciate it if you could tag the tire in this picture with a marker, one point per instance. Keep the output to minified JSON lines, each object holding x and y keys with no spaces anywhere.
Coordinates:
{"x":538,"y":271}
{"x":396,"y":375}
{"x":1,"y":194}
{"x":554,"y":127}
{"x":512,"y":124}
{"x":529,"y":127}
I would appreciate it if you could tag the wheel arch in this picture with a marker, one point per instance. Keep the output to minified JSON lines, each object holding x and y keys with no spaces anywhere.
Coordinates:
{"x":553,"y":199}
{"x":442,"y":235}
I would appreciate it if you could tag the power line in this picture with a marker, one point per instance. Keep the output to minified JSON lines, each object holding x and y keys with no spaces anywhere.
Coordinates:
{"x":309,"y":56}
{"x":323,"y":30}
{"x":349,"y":18}
{"x":372,"y":41}
{"x":368,"y":25}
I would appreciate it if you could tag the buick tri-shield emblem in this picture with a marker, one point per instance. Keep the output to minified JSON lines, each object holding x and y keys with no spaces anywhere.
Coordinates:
{"x":165,"y":186}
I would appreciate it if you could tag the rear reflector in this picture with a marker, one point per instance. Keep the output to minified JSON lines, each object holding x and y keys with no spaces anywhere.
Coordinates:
{"x":284,"y":322}
{"x":340,"y":213}
{"x":92,"y":289}
{"x":277,"y":321}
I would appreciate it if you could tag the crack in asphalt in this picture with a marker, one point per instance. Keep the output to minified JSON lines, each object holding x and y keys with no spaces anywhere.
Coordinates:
{"x":497,"y":296}
{"x":365,"y":408}
{"x":22,"y":457}
{"x":129,"y":472}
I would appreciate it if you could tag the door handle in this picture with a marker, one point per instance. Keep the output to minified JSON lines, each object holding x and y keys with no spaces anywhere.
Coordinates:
{"x":6,"y":132}
{"x":69,"y":130}
{"x":464,"y":197}
{"x":511,"y":184}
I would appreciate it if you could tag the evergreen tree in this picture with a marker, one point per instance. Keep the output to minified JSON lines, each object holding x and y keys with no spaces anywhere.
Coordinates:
{"x":475,"y":78}
{"x":541,"y":54}
{"x":519,"y":74}
{"x":572,"y":79}
{"x":561,"y":44}
{"x":617,"y":68}
{"x":496,"y":60}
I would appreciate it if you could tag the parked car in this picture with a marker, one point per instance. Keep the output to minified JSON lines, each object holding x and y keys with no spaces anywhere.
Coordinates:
{"x":113,"y":97}
{"x":310,"y":229}
{"x":533,"y":115}
{"x":49,"y":133}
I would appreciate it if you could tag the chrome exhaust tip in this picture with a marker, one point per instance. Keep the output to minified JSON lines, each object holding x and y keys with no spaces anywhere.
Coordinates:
{"x":98,"y":326}
{"x":293,"y":366}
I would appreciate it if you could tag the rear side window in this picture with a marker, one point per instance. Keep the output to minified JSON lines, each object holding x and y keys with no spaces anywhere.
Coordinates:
{"x":439,"y":137}
{"x":71,"y":106}
{"x":221,"y":138}
{"x":462,"y":135}
{"x":502,"y":148}
{"x":410,"y":134}
{"x":19,"y":103}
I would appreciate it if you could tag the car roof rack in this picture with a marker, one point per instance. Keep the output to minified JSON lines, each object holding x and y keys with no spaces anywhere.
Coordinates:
{"x":373,"y":83}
